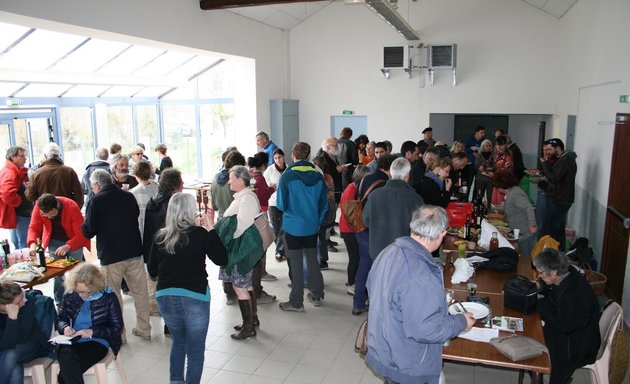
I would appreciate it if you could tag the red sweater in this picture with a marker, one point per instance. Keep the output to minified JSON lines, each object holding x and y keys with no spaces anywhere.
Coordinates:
{"x":10,"y":180}
{"x":71,"y":220}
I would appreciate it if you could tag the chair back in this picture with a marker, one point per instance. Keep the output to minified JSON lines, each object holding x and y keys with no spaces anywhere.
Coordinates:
{"x":607,"y":323}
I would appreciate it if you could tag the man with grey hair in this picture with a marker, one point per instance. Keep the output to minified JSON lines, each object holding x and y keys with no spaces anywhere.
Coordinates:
{"x":112,"y":216}
{"x":100,"y":163}
{"x":15,"y":208}
{"x":55,"y":178}
{"x":408,"y":314}
{"x":120,"y":172}
{"x":388,"y":210}
{"x":264,"y":144}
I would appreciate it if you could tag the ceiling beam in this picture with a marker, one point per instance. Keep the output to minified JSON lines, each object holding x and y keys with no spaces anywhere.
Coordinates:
{"x":224,"y":4}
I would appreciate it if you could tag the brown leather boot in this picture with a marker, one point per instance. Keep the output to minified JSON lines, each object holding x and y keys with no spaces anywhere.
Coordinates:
{"x":247,"y":311}
{"x":252,"y":295}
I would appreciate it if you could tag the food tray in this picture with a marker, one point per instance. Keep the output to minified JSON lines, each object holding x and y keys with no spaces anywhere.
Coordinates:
{"x":61,"y":263}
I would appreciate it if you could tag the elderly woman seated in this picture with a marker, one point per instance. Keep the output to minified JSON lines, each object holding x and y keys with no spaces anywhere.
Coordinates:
{"x":91,"y":313}
{"x":21,"y":339}
{"x":570,"y":311}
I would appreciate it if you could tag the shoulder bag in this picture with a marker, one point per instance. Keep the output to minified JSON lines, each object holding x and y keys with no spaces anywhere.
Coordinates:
{"x":360,"y":343}
{"x":265,"y":230}
{"x":352,"y":210}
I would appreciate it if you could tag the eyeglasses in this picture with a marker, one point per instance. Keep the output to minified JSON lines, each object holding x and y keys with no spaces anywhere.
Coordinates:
{"x":541,"y":273}
{"x":84,"y":293}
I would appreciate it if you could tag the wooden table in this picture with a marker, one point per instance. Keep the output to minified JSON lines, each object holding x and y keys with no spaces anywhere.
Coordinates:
{"x":488,"y":282}
{"x":483,"y":353}
{"x":49,"y":274}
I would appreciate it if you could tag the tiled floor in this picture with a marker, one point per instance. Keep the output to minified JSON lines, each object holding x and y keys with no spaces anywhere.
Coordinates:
{"x":311,"y":347}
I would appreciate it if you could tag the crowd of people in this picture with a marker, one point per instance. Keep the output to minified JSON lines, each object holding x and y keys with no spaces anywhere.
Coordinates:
{"x":152,"y":241}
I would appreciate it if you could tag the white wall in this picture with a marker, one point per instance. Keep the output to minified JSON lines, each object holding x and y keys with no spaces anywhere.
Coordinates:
{"x":505,"y":55}
{"x":594,"y":72}
{"x":179,"y":22}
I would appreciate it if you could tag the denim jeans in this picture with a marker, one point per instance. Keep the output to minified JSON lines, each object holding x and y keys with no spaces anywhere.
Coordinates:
{"x":19,"y":233}
{"x":11,"y":360}
{"x":187,"y":319}
{"x":365,"y":264}
{"x":58,"y":287}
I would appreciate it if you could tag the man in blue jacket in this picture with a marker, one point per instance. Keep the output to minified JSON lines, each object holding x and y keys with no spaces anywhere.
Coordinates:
{"x":301,"y":197}
{"x":408,"y":317}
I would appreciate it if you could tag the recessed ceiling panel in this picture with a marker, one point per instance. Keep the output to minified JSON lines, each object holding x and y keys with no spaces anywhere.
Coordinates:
{"x":130,"y":60}
{"x":121,"y":91}
{"x":90,"y":56}
{"x":82,"y":90}
{"x":7,"y":89}
{"x":164,"y":64}
{"x":9,"y":34}
{"x":43,"y":90}
{"x":39,"y":50}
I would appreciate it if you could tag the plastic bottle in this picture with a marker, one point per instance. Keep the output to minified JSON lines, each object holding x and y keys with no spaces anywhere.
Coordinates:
{"x":494,"y":242}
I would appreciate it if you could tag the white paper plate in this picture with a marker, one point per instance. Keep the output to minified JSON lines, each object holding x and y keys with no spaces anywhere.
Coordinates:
{"x":479,"y":311}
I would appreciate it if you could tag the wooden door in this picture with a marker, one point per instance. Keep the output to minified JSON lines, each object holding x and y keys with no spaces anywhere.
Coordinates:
{"x":616,"y":231}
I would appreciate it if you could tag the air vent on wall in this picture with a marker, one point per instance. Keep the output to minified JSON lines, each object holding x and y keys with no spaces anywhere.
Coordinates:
{"x":396,"y":57}
{"x":442,"y":56}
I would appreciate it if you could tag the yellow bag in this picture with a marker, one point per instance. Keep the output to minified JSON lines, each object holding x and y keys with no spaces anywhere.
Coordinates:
{"x":544,"y":242}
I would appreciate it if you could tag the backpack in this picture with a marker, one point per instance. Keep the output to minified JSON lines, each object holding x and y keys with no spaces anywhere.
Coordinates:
{"x":46,"y":316}
{"x":352,"y":210}
{"x":582,"y":253}
{"x":503,"y":259}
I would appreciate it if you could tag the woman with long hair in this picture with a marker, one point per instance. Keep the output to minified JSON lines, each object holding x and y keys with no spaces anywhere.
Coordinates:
{"x":89,"y":310}
{"x":361,"y":143}
{"x":272,"y":176}
{"x":178,"y":261}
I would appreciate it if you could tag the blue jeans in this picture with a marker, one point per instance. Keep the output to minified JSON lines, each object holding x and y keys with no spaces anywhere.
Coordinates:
{"x":187,"y":319}
{"x":11,"y":360}
{"x":19,"y":233}
{"x":77,"y":254}
{"x":365,"y":264}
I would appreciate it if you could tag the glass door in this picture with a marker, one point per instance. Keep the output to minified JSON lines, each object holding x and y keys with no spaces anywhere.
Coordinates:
{"x":31,"y":130}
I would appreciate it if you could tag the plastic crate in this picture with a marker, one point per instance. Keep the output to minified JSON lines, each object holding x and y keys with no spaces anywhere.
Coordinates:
{"x":457,"y":213}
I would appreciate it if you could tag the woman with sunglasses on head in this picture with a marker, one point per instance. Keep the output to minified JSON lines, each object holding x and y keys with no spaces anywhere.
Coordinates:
{"x":21,"y":339}
{"x":89,"y":312}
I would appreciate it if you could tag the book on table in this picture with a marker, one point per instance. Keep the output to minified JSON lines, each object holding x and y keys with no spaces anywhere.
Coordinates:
{"x":508,"y":323}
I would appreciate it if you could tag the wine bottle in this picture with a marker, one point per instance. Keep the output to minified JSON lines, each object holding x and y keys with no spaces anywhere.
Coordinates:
{"x":467,"y":227}
{"x":494,"y":242}
{"x":40,"y":253}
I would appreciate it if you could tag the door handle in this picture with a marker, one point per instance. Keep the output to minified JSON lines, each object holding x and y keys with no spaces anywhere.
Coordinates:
{"x":624,"y":219}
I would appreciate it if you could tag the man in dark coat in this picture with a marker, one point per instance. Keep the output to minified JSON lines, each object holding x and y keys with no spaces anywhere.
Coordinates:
{"x":112,"y":216}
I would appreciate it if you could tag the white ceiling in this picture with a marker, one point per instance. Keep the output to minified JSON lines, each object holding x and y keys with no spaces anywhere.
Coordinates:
{"x":287,"y":16}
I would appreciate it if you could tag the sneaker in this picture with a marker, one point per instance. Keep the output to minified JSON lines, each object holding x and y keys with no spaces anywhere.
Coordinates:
{"x":314,"y":301}
{"x":230,"y":300}
{"x":280,"y":258}
{"x":332,"y":248}
{"x":350,"y":289}
{"x":265,"y":298}
{"x":268,"y":277}
{"x":333,"y":243}
{"x":286,"y":306}
{"x":323,"y":265}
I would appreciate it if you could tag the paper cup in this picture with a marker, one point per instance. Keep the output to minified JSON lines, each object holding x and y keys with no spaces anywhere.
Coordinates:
{"x":517,"y":232}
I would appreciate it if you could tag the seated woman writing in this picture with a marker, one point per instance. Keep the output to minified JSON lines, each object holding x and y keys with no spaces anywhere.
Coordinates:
{"x":90,"y":311}
{"x":21,"y":339}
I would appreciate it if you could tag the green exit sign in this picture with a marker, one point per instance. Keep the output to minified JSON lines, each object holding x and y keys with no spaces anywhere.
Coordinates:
{"x":624,"y":98}
{"x":348,"y":112}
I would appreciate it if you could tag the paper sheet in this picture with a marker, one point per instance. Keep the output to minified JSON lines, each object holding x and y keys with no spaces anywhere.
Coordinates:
{"x":61,"y":339}
{"x":480,"y":334}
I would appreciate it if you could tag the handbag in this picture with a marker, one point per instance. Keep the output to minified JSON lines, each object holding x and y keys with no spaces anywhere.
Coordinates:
{"x":360,"y":343}
{"x":517,"y":348}
{"x":352,"y":210}
{"x":520,"y":294}
{"x":265,"y":230}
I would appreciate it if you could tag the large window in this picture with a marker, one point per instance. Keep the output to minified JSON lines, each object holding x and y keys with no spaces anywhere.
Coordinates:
{"x":76,"y":135}
{"x":180,"y":138}
{"x":148,"y":133}
{"x":120,"y":127}
{"x":217,"y":133}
